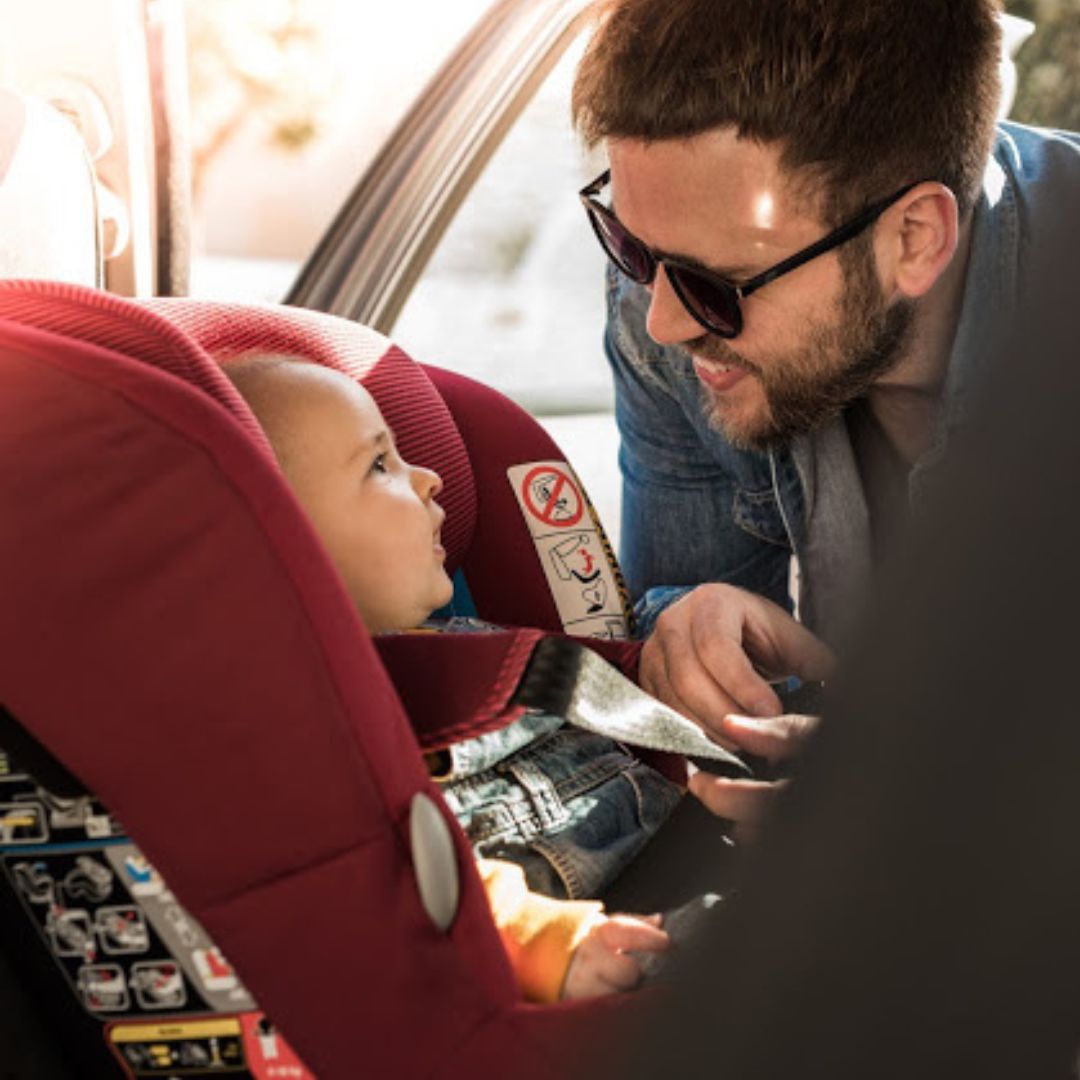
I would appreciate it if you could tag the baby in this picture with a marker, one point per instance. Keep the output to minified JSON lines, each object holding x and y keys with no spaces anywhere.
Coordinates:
{"x":378,"y":520}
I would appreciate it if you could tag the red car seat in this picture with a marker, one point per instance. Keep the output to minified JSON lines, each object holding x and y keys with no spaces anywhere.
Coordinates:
{"x":174,"y":634}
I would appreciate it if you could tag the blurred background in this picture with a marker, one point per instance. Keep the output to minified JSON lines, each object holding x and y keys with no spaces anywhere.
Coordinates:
{"x":270,"y":112}
{"x":291,"y":100}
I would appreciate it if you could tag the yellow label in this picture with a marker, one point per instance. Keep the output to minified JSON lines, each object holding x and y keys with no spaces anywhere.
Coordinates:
{"x":192,"y":1029}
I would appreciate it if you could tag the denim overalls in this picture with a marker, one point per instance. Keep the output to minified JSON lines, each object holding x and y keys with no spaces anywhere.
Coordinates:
{"x":570,"y":807}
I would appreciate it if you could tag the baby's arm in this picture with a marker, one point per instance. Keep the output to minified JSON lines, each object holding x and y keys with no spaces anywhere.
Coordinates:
{"x":563,"y":948}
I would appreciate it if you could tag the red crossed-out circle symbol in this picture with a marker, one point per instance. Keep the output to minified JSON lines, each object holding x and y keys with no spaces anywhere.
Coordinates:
{"x":552,"y":497}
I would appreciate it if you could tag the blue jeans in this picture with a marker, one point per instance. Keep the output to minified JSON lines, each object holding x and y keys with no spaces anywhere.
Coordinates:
{"x":571,"y":808}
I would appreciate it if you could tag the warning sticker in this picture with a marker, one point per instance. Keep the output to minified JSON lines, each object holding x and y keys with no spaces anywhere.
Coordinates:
{"x":190,"y":1047}
{"x":577,"y":560}
{"x":551,"y":497}
{"x":245,"y":1045}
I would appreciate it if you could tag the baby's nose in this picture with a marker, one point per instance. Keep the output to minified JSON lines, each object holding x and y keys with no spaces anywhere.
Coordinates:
{"x":426,"y":482}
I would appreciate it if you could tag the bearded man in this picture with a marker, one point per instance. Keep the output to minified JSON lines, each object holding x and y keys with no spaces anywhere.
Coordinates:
{"x":816,"y":227}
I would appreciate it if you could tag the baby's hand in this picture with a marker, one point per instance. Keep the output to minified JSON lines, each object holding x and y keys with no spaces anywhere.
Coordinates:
{"x":600,"y":964}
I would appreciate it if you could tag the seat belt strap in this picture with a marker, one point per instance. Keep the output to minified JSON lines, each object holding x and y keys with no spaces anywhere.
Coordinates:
{"x":458,"y":686}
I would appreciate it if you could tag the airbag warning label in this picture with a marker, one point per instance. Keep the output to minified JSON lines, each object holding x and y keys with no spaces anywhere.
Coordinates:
{"x":573,"y":550}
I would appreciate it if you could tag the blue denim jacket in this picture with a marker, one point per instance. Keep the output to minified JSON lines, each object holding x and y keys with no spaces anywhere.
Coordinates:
{"x":695,"y":509}
{"x":570,"y":807}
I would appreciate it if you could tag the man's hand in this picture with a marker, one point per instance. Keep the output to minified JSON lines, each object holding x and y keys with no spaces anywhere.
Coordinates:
{"x":600,"y":964}
{"x":747,"y":802}
{"x":712,"y":651}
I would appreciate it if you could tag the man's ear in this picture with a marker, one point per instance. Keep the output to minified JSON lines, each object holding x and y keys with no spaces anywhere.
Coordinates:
{"x":919,"y":239}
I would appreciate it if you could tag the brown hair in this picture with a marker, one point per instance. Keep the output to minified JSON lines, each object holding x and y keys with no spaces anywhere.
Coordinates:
{"x":862,"y":95}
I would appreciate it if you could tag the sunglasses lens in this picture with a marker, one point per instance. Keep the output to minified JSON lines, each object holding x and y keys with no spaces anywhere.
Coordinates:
{"x":626,"y":251}
{"x":712,"y":303}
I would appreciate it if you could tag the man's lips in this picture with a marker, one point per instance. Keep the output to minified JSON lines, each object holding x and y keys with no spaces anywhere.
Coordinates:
{"x":716,"y":375}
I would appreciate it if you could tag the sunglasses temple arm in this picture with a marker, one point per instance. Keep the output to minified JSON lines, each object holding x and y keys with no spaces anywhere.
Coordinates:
{"x":841,"y":236}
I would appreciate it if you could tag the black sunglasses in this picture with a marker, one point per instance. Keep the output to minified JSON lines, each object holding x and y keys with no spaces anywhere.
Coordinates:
{"x":712,"y":301}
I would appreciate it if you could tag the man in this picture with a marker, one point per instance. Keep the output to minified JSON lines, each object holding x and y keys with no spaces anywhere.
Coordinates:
{"x":912,"y":911}
{"x":816,"y":232}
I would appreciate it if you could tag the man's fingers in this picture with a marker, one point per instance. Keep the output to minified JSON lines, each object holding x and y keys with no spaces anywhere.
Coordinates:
{"x":775,"y":739}
{"x":628,"y":932}
{"x":655,"y":680}
{"x":785,"y":647}
{"x":693,"y":691}
{"x":733,"y":678}
{"x":743,"y":801}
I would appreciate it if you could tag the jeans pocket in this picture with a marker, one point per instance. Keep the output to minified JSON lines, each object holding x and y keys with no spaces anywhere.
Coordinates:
{"x":609,"y":825}
{"x":572,"y":809}
{"x":656,"y":797}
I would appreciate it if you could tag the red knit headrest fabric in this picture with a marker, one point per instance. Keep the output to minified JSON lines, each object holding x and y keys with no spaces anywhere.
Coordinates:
{"x":102,"y":319}
{"x":190,"y":339}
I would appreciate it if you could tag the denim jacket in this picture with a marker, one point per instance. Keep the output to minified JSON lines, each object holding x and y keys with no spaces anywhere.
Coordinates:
{"x":695,"y":509}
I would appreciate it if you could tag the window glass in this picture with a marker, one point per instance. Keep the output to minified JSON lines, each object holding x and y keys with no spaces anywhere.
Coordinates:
{"x":513,"y":295}
{"x":1048,"y":64}
{"x":290,"y":100}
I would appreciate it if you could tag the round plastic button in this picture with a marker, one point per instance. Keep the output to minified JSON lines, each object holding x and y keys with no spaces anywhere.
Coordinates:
{"x":434,"y":861}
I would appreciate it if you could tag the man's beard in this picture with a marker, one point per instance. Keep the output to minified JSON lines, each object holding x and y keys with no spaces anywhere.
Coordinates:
{"x":804,"y":391}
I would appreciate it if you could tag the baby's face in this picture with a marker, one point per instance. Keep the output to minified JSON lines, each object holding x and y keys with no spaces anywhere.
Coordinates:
{"x":375,"y":513}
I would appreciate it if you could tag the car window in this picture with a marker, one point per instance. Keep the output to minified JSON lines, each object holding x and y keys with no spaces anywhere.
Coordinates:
{"x":289,"y":104}
{"x":513,"y":295}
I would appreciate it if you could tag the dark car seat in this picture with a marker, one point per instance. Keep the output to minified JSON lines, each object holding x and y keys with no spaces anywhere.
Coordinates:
{"x":175,"y":637}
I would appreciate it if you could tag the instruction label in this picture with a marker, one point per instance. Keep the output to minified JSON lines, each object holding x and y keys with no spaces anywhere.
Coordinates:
{"x":242,"y":1046}
{"x":577,"y":559}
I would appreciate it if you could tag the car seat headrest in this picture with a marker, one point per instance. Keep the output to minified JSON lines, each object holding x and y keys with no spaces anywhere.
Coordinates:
{"x":100,"y":318}
{"x":190,"y":340}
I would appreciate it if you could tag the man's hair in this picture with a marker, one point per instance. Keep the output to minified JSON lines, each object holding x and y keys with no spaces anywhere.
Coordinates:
{"x":861,"y":95}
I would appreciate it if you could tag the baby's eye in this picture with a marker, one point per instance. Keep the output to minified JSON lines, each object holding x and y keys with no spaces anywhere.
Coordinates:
{"x":379,"y":464}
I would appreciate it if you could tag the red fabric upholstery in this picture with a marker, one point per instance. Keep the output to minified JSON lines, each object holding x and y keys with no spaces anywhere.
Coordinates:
{"x":452,"y":691}
{"x":173,"y":632}
{"x":504,"y":574}
{"x":102,"y":319}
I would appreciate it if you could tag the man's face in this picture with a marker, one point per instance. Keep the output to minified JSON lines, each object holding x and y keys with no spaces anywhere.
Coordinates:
{"x":812,"y":341}
{"x":375,"y":513}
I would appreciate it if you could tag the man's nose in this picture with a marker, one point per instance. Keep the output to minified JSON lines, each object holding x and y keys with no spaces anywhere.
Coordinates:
{"x":667,"y":321}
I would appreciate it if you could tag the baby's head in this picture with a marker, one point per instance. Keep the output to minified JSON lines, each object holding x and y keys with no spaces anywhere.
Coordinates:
{"x":375,"y":514}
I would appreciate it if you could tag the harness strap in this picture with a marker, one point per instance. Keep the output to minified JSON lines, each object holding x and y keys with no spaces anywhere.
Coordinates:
{"x":458,"y":686}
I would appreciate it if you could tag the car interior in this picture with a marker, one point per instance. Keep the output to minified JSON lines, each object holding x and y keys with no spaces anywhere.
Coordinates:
{"x":221,"y":851}
{"x":242,"y":729}
{"x":213,"y":793}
